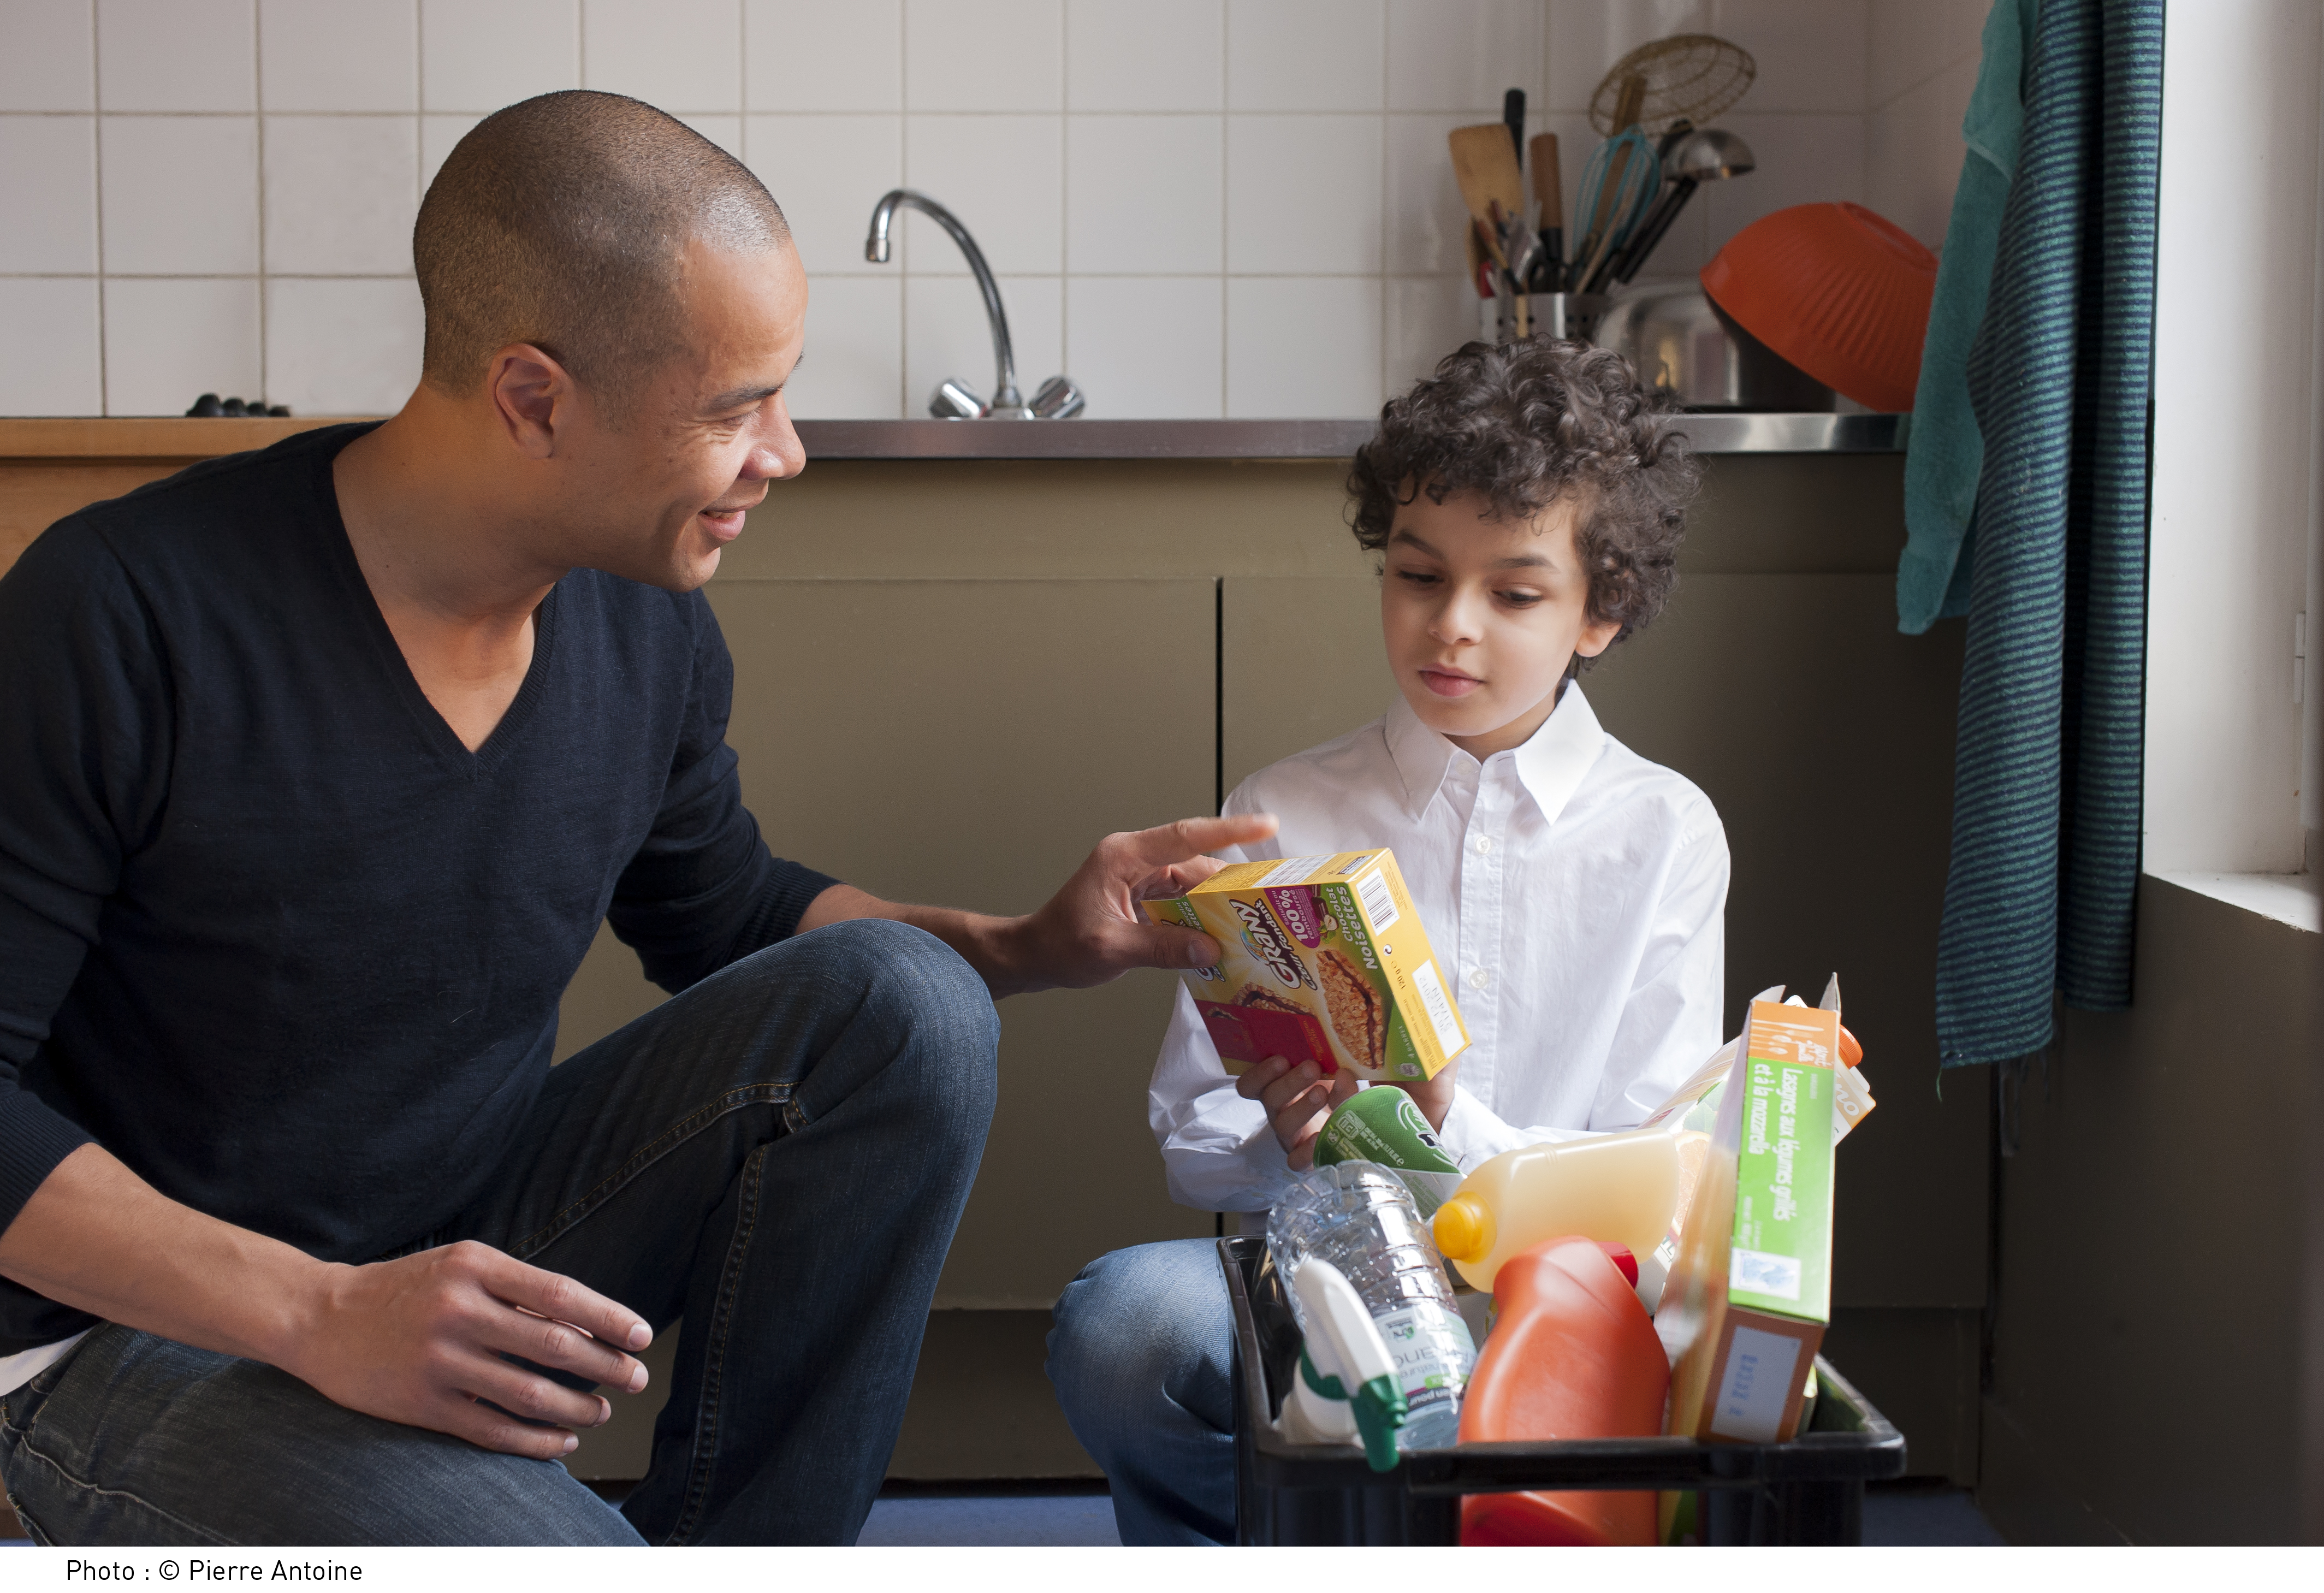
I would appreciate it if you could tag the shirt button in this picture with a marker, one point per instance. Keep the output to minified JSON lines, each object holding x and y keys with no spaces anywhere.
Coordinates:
{"x":1484,"y":843}
{"x":1479,"y":979}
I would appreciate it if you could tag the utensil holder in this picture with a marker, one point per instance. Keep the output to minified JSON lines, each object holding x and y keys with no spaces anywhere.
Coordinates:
{"x":1551,"y":315}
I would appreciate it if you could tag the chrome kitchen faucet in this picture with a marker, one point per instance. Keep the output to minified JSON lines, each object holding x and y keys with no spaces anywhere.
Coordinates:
{"x":954,"y":399}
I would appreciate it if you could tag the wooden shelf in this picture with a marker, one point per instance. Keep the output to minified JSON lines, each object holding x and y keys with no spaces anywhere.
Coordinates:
{"x":161,"y":437}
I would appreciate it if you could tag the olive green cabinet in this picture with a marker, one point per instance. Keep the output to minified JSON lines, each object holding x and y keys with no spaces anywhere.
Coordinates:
{"x":966,"y":742}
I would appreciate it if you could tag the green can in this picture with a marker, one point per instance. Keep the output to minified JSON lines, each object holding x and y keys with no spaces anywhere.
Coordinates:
{"x":1383,"y":1125}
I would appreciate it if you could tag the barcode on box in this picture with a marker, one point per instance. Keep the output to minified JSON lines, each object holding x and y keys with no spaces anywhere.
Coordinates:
{"x":1439,"y":1009}
{"x":1760,"y":1272}
{"x":1291,"y":871}
{"x":1379,"y":901}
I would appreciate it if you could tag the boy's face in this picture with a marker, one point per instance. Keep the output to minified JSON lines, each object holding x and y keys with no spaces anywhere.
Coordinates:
{"x":1481,"y":617}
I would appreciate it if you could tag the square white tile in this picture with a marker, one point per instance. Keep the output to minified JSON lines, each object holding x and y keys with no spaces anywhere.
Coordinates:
{"x":827,"y":172}
{"x":48,"y":346}
{"x":811,"y":55}
{"x":341,"y":193}
{"x":1428,"y":318}
{"x":1462,"y":55}
{"x":1586,"y":37}
{"x":176,"y":55}
{"x":1803,"y":160}
{"x":1912,"y":152}
{"x":50,"y":61}
{"x":1427,"y":220}
{"x":167,"y":342}
{"x":946,"y":333}
{"x":1144,"y":194}
{"x":437,"y":135}
{"x":345,"y":348}
{"x":340,"y":55}
{"x":681,"y":55}
{"x":1303,"y":348}
{"x":726,"y":132}
{"x":996,"y":55}
{"x":1002,"y":176}
{"x":1135,"y":55}
{"x":179,"y":194}
{"x":1913,"y":41}
{"x":1306,"y":55}
{"x":853,"y":365}
{"x":48,"y":192}
{"x":1304,"y":193}
{"x":479,"y":58}
{"x":1811,"y":54}
{"x":1147,"y":348}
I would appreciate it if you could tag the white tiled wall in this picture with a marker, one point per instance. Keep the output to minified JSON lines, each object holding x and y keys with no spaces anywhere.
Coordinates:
{"x":1922,"y":64}
{"x":1196,"y":207}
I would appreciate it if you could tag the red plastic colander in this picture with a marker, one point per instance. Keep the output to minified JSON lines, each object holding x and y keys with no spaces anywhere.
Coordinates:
{"x":1839,"y":291}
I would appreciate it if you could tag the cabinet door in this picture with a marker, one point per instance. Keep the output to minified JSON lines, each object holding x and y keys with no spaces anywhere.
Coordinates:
{"x":966,"y":742}
{"x":1303,"y":663}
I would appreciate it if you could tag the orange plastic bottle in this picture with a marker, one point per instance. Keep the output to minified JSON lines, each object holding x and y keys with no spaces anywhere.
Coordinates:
{"x":1573,"y":1355}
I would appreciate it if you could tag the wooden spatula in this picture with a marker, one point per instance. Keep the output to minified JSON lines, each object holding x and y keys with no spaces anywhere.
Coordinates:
{"x":1485,"y":162}
{"x":1549,"y":188}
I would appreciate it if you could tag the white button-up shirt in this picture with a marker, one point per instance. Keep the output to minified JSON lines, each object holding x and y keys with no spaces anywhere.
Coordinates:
{"x":1579,"y":891}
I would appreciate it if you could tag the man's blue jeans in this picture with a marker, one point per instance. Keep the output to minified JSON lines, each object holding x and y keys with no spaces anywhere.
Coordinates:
{"x":779,"y":1155}
{"x":1142,"y":1359}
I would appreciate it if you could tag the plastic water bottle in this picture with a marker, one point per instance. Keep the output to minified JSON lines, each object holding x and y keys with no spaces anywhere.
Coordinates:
{"x":1360,"y":1218}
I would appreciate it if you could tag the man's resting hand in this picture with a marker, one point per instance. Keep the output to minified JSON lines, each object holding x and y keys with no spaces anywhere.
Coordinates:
{"x":420,"y":1340}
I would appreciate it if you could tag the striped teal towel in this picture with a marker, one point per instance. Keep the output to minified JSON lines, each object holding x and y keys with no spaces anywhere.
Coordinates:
{"x":1943,"y":449}
{"x":2047,"y":771}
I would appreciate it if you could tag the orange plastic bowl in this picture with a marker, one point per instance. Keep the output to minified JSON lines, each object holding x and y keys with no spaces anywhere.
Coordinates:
{"x":1840,"y":292}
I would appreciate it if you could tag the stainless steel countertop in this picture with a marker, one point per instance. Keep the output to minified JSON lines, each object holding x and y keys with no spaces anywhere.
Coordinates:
{"x":1278,"y":439}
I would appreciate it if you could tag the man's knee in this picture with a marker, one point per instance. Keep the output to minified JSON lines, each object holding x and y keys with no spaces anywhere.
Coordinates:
{"x":927,"y":1007}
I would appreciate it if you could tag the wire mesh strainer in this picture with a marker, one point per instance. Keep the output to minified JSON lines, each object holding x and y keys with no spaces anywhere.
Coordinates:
{"x":1688,"y":77}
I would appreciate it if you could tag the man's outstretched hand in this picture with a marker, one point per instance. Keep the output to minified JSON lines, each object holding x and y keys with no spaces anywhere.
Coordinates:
{"x":1092,"y":930}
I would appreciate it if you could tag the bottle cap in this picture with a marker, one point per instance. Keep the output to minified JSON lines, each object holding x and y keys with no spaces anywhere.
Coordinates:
{"x":1851,"y":1049}
{"x":1465,"y":1227}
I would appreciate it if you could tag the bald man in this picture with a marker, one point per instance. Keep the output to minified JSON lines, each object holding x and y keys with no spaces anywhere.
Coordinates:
{"x":324,"y":764}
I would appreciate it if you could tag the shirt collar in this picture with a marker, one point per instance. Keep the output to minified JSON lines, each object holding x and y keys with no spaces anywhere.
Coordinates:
{"x":1550,"y":765}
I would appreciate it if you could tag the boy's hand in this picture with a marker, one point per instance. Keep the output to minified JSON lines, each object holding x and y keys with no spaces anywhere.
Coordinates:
{"x":1434,"y":1097}
{"x":1298,"y":1101}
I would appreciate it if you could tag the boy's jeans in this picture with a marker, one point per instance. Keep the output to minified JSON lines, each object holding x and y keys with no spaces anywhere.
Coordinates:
{"x":1141,"y":1361}
{"x":779,"y":1155}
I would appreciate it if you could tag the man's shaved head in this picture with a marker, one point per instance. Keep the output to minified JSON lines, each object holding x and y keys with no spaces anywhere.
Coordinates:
{"x":560,"y":222}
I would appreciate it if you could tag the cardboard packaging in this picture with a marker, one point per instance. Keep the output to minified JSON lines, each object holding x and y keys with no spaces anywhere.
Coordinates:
{"x":1325,"y":962}
{"x":1745,"y":1309}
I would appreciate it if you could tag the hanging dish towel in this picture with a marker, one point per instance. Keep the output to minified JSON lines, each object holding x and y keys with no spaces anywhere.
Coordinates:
{"x":1942,"y":448}
{"x":2047,"y":770}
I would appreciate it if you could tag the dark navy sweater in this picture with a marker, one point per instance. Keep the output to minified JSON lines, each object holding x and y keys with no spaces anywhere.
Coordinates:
{"x":268,"y":931}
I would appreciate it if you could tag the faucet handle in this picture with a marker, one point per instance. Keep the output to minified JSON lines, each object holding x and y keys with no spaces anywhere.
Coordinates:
{"x":1058,"y":399}
{"x":955,"y":400}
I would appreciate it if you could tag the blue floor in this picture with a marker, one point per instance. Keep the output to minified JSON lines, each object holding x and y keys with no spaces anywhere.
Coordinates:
{"x":1892,"y":1518}
{"x":1908,"y":1517}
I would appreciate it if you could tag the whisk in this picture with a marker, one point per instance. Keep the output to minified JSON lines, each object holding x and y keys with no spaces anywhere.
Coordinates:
{"x":1617,"y":187}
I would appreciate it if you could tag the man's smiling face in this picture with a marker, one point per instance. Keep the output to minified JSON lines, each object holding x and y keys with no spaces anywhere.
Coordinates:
{"x":665,"y":483}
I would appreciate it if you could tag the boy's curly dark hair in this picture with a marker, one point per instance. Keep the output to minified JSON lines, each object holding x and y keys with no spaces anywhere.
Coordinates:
{"x":1526,"y":424}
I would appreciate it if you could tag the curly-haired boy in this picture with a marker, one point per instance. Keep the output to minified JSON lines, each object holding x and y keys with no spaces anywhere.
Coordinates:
{"x":1526,"y":503}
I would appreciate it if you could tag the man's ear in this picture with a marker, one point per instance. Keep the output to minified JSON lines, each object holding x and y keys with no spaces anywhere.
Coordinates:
{"x":1596,"y":637}
{"x":531,"y":395}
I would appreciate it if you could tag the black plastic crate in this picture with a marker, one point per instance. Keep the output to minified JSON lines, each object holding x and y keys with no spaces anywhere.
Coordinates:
{"x":1810,"y":1490}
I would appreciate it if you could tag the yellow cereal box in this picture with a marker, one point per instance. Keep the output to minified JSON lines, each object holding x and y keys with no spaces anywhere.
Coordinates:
{"x":1325,"y":962}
